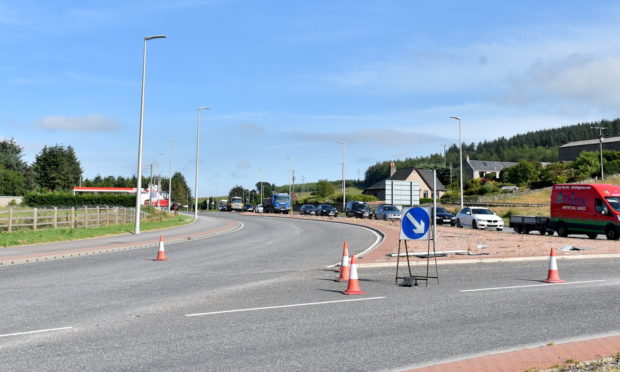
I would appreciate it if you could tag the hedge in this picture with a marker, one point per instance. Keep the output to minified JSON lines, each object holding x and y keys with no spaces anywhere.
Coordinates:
{"x":56,"y":199}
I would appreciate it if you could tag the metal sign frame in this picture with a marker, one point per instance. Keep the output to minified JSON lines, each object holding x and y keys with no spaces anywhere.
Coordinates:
{"x":430,"y":235}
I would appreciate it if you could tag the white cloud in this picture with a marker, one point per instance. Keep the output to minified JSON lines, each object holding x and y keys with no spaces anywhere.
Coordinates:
{"x":382,"y":137}
{"x":88,"y":123}
{"x":244,"y":164}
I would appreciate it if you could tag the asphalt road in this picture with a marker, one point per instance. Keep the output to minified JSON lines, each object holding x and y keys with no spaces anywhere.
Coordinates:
{"x":262,"y":299}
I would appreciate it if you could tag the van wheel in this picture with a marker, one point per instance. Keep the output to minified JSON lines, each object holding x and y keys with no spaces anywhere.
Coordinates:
{"x":562,"y":230}
{"x":612,"y":233}
{"x":592,"y":235}
{"x":518,"y":229}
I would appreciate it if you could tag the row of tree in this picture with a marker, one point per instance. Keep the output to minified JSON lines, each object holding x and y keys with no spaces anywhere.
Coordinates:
{"x":57,"y":168}
{"x":537,"y":146}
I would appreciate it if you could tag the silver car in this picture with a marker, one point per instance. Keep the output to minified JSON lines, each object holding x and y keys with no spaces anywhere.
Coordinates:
{"x":479,"y":218}
{"x":387,"y":212}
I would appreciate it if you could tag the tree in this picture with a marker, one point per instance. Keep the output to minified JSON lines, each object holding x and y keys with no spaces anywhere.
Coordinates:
{"x":324,"y":188}
{"x":236,"y":191}
{"x":180,"y":191}
{"x":267,"y":188}
{"x":525,"y":172}
{"x":11,"y":156}
{"x":587,"y":165}
{"x":12,"y":182}
{"x":57,"y":168}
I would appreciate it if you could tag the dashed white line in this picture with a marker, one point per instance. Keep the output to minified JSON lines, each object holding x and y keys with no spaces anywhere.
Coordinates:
{"x":284,"y":306}
{"x":529,"y":286}
{"x":33,"y":332}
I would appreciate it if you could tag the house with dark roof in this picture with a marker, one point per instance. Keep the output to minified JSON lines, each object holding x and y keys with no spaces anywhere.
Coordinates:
{"x":483,"y":168}
{"x":570,"y":151}
{"x":424,"y":177}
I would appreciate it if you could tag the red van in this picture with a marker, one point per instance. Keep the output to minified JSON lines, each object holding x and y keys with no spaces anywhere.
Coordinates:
{"x":589,"y":209}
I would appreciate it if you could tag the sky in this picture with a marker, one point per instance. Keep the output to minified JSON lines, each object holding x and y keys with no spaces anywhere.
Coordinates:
{"x":291,"y":79}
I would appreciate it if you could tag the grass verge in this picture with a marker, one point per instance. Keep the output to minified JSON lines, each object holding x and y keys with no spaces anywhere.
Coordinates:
{"x":28,"y":237}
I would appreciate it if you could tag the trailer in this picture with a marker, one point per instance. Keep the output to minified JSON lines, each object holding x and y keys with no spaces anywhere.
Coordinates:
{"x":525,"y":224}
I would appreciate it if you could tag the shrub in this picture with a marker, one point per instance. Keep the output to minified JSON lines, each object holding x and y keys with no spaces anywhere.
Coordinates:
{"x":59,"y":199}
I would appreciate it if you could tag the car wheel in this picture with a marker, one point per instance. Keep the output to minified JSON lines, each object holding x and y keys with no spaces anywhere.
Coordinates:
{"x":452,"y":223}
{"x":592,"y":235}
{"x":474,"y":225}
{"x":458,"y":224}
{"x":499,"y":229}
{"x":611,"y":233}
{"x":562,"y":230}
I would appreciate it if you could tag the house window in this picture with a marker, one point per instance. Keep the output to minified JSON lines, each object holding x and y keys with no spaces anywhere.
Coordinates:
{"x":425,"y":194}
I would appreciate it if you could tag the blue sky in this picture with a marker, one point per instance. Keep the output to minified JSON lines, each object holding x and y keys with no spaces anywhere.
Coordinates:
{"x":292,"y":78}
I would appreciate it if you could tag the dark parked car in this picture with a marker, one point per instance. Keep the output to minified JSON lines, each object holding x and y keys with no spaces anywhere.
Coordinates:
{"x":307,"y":209}
{"x":326,"y":210}
{"x":358,"y":209}
{"x":443,"y":216}
{"x":248,"y":207}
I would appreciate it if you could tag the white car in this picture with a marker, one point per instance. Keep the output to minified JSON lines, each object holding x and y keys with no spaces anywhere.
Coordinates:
{"x":479,"y":218}
{"x":258,"y":209}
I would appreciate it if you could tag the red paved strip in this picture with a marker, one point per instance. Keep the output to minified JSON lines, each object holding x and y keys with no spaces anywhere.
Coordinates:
{"x":543,"y":357}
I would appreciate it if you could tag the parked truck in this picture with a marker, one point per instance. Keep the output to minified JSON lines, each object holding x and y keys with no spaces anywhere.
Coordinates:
{"x":235,"y":204}
{"x":589,"y":209}
{"x":277,"y":203}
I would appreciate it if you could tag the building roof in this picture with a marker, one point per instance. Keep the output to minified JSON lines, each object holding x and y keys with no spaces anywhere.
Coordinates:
{"x":490,"y":166}
{"x":403,"y":173}
{"x":591,"y":142}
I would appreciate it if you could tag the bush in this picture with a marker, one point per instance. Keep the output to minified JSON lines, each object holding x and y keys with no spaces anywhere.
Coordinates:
{"x":59,"y":199}
{"x":357,"y":197}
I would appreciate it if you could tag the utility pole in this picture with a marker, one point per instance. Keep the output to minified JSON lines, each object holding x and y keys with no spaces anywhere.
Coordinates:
{"x":445,"y":160}
{"x":600,"y":137}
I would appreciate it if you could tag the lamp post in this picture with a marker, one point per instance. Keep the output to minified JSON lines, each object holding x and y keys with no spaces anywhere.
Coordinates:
{"x":460,"y":156}
{"x":260,"y":171}
{"x":197,"y":152}
{"x":344,"y":190}
{"x":172,"y":141}
{"x":290,"y":185}
{"x":600,"y":137}
{"x":139,"y":176}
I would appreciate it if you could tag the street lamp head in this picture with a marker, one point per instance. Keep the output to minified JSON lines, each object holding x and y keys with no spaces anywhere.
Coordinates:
{"x":203,"y":108}
{"x":154,"y":37}
{"x":455,"y":117}
{"x":341,"y":142}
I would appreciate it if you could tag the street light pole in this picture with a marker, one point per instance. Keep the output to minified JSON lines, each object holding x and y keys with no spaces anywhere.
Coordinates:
{"x":600,"y":136}
{"x":344,"y":190}
{"x":460,"y":156}
{"x":290,"y":185}
{"x":139,"y":176}
{"x":197,"y":152}
{"x":172,"y":141}
{"x":260,"y":171}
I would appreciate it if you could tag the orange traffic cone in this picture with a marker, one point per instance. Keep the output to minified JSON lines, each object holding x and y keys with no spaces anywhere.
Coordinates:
{"x":161,"y":254}
{"x":553,"y":276}
{"x":344,"y":264}
{"x":354,"y":283}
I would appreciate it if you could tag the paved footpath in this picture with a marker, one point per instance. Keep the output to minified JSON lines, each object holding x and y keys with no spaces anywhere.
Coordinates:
{"x":207,"y":226}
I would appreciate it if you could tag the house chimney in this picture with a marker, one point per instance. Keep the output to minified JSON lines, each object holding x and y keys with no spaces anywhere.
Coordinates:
{"x":392,"y":169}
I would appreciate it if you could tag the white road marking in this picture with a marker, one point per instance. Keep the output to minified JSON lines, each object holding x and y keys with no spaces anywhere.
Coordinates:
{"x":284,"y":306}
{"x":33,"y":332}
{"x":531,"y":285}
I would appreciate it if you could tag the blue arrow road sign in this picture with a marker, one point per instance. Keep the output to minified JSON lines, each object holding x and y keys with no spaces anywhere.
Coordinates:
{"x":415,"y":224}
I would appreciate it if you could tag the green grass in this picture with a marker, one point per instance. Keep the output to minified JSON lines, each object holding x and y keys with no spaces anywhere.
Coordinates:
{"x":28,"y":237}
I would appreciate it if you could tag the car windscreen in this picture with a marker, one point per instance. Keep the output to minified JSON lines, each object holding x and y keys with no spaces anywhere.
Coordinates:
{"x":442,"y":210}
{"x":481,"y":211}
{"x":390,"y":209}
{"x":614,"y":202}
{"x":281,"y":199}
{"x":235,"y":200}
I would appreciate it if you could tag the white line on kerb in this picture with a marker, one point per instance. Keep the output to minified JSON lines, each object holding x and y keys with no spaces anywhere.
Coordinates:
{"x":284,"y":306}
{"x":32,"y":332}
{"x":531,"y":285}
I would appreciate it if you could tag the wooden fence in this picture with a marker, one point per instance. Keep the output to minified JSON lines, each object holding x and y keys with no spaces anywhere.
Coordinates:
{"x":57,"y":218}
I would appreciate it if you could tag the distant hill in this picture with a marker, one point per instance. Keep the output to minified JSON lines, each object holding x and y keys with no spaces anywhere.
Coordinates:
{"x":541,"y":145}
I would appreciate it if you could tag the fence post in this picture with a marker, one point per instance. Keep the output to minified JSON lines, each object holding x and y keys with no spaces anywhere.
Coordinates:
{"x":85,"y":216}
{"x":10,"y":219}
{"x":98,"y":217}
{"x":55,"y":223}
{"x":116,"y":216}
{"x":34,"y":219}
{"x":73,"y":217}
